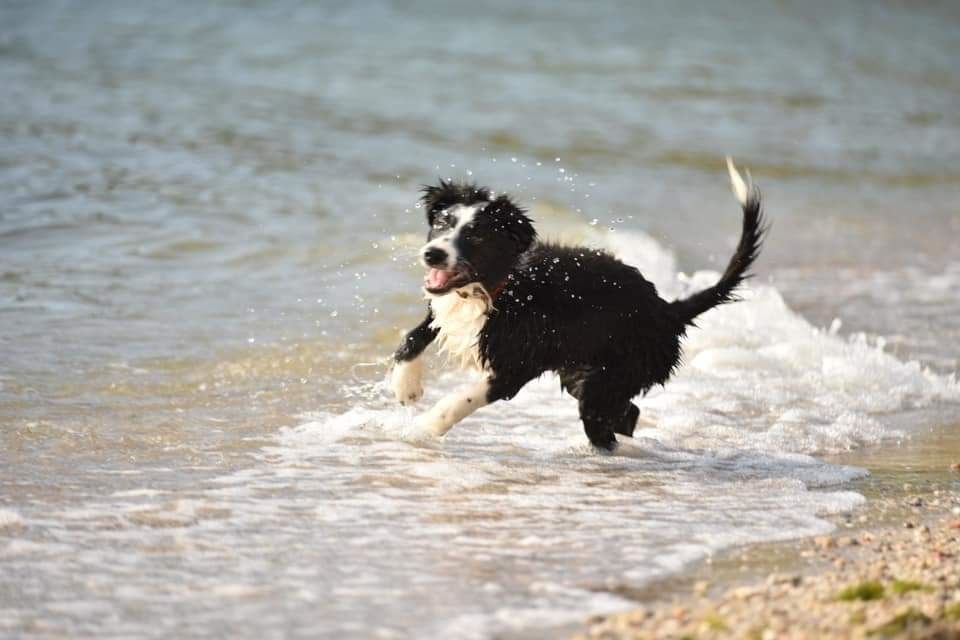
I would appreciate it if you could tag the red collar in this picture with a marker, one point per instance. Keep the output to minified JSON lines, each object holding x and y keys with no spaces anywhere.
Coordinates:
{"x":497,"y":290}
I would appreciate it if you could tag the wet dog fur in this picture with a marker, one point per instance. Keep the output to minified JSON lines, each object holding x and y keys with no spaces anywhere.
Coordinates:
{"x":514,"y":307}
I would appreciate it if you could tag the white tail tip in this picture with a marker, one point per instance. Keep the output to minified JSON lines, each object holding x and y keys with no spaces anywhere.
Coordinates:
{"x":741,"y":189}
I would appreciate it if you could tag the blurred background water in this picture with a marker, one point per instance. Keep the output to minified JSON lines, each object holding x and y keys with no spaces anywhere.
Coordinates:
{"x":207,"y":220}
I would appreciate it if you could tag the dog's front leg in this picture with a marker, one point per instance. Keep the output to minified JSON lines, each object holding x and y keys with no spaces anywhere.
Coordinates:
{"x":452,"y":409}
{"x":406,"y":378}
{"x":460,"y":404}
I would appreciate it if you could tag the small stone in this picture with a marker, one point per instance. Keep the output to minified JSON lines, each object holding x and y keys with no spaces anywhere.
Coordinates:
{"x":743,"y":593}
{"x":823,"y":542}
{"x":847,"y":541}
{"x":955,"y":467}
{"x":908,"y":525}
{"x":785,"y":579}
{"x":700,"y":588}
{"x":637,"y":617}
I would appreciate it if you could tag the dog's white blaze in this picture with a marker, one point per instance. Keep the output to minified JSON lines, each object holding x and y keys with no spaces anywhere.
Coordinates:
{"x":406,"y":380}
{"x":741,"y":189}
{"x":458,"y":316}
{"x":453,"y":408}
{"x":464,"y":215}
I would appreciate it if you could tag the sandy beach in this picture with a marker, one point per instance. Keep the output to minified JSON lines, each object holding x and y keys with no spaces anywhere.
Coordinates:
{"x":891,"y":572}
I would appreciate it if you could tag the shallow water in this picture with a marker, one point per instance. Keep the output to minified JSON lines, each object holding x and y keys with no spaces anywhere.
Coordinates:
{"x":207,"y":239}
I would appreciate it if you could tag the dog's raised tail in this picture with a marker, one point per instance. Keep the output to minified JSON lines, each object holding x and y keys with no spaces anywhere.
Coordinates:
{"x":751,"y":237}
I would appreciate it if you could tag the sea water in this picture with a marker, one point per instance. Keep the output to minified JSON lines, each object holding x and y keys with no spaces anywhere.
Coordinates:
{"x":208,"y":237}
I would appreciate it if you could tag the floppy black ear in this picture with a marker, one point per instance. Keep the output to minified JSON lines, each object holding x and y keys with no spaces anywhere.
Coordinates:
{"x":448,"y":193}
{"x":515,"y":222}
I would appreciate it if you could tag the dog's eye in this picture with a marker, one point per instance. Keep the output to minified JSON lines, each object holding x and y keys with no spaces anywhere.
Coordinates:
{"x":443,"y":219}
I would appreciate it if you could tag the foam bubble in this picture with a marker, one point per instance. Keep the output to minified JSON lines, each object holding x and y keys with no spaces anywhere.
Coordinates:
{"x":10,"y":519}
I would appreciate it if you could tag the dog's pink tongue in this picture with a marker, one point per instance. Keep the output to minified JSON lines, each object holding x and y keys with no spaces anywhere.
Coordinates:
{"x":437,"y":278}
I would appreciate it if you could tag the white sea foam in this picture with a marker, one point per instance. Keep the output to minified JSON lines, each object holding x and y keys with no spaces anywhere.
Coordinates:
{"x":10,"y":519}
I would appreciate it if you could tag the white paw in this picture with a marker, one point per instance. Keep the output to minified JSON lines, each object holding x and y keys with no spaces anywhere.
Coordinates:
{"x":406,"y":380}
{"x":431,"y":424}
{"x":423,"y":428}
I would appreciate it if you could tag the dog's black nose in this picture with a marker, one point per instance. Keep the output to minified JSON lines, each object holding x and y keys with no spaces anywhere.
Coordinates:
{"x":434,"y":256}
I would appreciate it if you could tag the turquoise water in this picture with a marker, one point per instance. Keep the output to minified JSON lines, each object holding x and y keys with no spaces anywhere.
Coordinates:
{"x":208,"y":228}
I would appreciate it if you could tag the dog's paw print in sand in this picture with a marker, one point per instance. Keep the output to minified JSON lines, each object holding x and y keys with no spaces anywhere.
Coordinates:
{"x":406,"y":380}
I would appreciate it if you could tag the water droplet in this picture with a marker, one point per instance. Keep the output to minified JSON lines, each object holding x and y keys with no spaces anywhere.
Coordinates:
{"x":594,"y":222}
{"x":334,"y":314}
{"x":513,"y":159}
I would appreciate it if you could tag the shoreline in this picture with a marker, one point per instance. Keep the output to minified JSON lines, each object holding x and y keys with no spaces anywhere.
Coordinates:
{"x":874,"y":582}
{"x":889,"y":569}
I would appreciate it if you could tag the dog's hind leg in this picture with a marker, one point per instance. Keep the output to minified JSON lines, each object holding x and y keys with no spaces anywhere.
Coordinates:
{"x":602,"y":419}
{"x":628,"y":421}
{"x":603,"y":410}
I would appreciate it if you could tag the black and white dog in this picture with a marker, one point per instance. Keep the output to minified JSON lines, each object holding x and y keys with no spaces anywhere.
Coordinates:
{"x":514,"y":307}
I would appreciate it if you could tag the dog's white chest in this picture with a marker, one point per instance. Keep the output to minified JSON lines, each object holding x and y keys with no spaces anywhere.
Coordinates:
{"x":459,"y":317}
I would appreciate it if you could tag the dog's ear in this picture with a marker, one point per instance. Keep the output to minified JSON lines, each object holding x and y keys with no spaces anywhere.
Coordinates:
{"x":514,"y":221}
{"x":431,"y":196}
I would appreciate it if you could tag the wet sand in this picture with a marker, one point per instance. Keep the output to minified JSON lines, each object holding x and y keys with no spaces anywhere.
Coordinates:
{"x":891,"y":569}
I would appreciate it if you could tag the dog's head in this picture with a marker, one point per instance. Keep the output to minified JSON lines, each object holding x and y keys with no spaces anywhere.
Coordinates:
{"x":473,"y":237}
